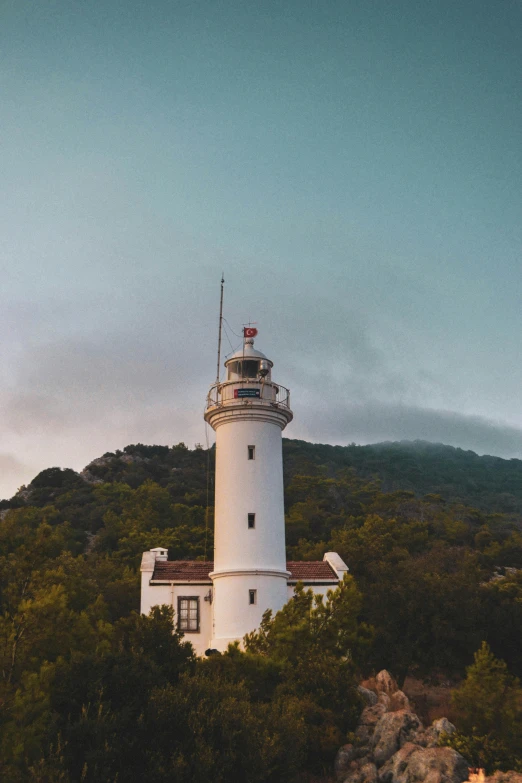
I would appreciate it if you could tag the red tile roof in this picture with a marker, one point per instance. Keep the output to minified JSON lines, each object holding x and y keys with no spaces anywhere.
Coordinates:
{"x":182,"y":570}
{"x":198,"y":571}
{"x":303,"y":571}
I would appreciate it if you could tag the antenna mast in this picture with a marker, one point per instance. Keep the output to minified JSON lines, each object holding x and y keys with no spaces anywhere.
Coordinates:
{"x":220,"y":326}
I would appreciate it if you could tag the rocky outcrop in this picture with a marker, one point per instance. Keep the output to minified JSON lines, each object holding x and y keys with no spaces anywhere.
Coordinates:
{"x":369,"y":697}
{"x":395,"y":767}
{"x":427,"y":765}
{"x":370,"y":716}
{"x":431,"y":737}
{"x":392,"y":746}
{"x":385,"y":683}
{"x":392,"y":731}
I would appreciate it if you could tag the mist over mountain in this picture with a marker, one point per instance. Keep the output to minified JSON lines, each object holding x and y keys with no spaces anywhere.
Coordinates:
{"x":490,"y":483}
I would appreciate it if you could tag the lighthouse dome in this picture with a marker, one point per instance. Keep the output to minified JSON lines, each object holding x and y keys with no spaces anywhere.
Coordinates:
{"x":247,"y":352}
{"x":248,"y":362}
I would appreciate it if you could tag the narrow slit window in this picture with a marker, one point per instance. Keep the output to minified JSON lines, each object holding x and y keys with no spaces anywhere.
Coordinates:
{"x":251,"y":521}
{"x":251,"y":452}
{"x":252,"y":596}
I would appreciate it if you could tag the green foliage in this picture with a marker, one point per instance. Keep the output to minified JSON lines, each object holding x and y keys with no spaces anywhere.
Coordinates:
{"x":489,"y":709}
{"x":211,"y":729}
{"x":317,"y":644}
{"x":433,"y":539}
{"x":308,"y":625}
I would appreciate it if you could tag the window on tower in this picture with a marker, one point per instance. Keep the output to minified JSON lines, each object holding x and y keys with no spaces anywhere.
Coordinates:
{"x":251,"y":452}
{"x":188,"y":614}
{"x":252,"y":596}
{"x":250,"y":369}
{"x":251,"y":520}
{"x":243,"y":369}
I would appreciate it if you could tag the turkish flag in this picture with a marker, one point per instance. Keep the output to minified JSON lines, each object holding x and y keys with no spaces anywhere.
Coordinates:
{"x":249,"y":331}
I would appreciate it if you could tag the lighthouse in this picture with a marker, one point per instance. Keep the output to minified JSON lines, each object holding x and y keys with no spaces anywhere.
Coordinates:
{"x":248,"y":412}
{"x":218,"y":602}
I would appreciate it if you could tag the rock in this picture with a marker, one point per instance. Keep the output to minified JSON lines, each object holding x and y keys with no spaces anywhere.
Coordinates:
{"x":367,"y":773}
{"x":367,"y":722}
{"x":383,"y":698}
{"x":345,"y":755}
{"x":434,"y":765}
{"x":392,"y":770}
{"x":364,"y":735}
{"x":392,"y":731}
{"x":430,"y":738}
{"x":371,"y":715}
{"x":412,"y":764}
{"x":385,"y":683}
{"x":88,"y":477}
{"x":399,"y":701}
{"x":368,"y":696}
{"x":438,"y":727}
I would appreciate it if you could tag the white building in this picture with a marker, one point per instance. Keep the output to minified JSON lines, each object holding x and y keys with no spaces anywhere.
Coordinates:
{"x":218,"y":602}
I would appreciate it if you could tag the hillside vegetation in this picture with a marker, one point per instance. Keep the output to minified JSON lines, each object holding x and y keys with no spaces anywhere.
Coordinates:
{"x":91,"y":691}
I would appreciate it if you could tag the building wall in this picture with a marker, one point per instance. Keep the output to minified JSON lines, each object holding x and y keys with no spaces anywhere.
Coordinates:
{"x":318,"y":589}
{"x":156,"y":595}
{"x":232,"y":610}
{"x":246,"y":486}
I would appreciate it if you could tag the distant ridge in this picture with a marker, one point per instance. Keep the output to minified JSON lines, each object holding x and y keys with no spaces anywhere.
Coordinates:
{"x":490,"y":483}
{"x":486,"y":482}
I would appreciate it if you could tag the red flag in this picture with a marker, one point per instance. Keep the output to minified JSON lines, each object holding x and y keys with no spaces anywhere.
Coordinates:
{"x":249,"y":331}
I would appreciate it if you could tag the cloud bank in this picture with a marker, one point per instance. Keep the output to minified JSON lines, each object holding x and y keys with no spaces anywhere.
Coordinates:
{"x":377,"y":421}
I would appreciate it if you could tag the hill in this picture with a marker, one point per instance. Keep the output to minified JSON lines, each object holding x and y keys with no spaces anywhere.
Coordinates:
{"x":431,"y":534}
{"x":486,"y":482}
{"x":489,"y":483}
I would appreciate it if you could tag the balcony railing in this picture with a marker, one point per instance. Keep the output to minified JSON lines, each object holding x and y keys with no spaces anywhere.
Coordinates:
{"x":245,"y":391}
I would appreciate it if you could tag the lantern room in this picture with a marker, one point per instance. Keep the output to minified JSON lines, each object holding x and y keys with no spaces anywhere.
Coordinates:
{"x":248,"y":384}
{"x":248,"y":364}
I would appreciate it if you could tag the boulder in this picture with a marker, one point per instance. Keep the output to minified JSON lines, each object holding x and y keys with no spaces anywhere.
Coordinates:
{"x":435,"y":765}
{"x":368,"y":696}
{"x":370,"y":716}
{"x":392,"y":731}
{"x":367,"y":773}
{"x":383,"y":698}
{"x":431,"y":737}
{"x":345,"y":755}
{"x":394,"y":768}
{"x":399,"y":701}
{"x":437,"y":728}
{"x":385,"y":683}
{"x":363,"y":735}
{"x":412,"y":764}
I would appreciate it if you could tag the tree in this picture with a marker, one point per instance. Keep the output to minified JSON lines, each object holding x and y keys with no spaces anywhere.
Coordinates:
{"x":317,"y":644}
{"x":489,"y":710}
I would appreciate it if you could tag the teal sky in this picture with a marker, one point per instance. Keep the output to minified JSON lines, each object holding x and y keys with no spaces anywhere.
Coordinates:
{"x":354,"y":167}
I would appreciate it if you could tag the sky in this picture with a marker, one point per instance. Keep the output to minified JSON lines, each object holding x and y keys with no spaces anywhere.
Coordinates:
{"x":354,"y":168}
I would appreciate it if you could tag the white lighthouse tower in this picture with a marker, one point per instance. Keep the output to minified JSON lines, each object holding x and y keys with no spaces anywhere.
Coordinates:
{"x":218,"y":602}
{"x":248,"y":412}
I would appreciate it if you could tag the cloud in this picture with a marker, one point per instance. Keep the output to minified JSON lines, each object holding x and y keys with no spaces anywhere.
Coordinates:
{"x":72,"y":382}
{"x":13,"y":473}
{"x":73,"y":399}
{"x":10,"y":465}
{"x":374,"y":421}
